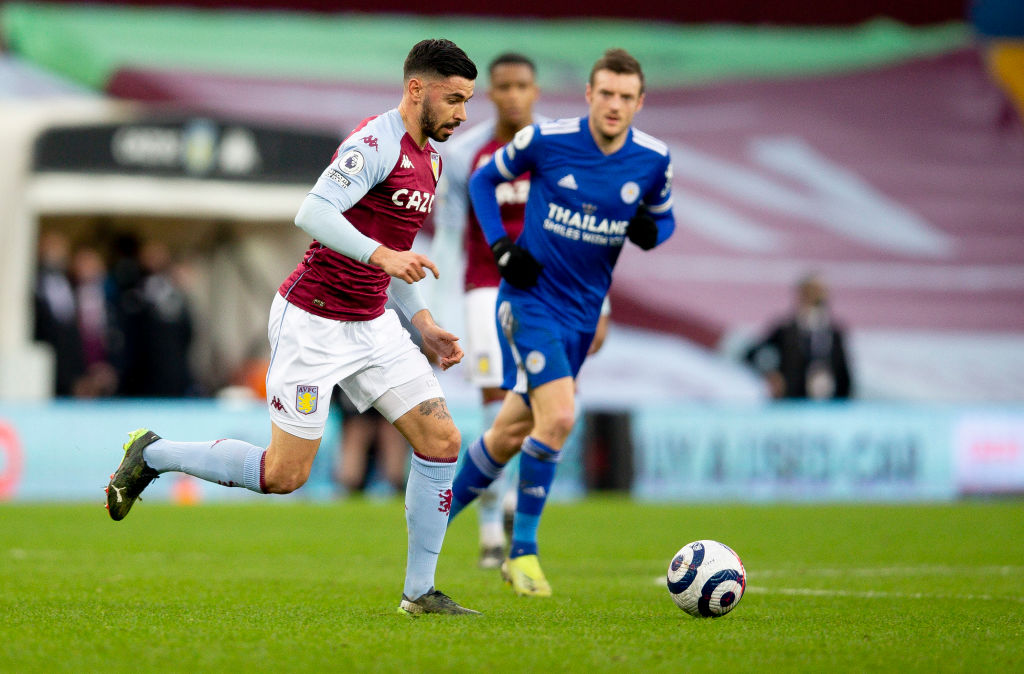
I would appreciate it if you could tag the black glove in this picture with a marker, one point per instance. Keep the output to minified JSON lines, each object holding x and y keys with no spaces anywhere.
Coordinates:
{"x":642,"y":229}
{"x":515,"y":263}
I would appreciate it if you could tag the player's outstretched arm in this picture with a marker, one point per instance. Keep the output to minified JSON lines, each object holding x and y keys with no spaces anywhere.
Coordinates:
{"x":324,"y":222}
{"x":485,"y":202}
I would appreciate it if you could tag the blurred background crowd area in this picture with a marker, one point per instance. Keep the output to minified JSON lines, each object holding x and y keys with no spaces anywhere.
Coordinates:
{"x":158,"y":153}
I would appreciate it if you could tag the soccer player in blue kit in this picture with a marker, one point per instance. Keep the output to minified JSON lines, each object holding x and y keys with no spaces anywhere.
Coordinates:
{"x":595,"y":182}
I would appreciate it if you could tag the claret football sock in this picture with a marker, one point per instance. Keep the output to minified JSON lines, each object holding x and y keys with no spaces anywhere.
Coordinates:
{"x":477,"y":472}
{"x":428,"y":499}
{"x":537,"y":463}
{"x":232,"y":463}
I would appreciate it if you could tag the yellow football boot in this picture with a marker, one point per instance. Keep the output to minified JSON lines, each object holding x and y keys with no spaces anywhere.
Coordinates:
{"x":525,"y":576}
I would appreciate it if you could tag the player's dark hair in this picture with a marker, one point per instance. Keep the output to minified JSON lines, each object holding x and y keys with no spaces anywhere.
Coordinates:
{"x":618,"y":61}
{"x":438,"y":58}
{"x":511,"y":58}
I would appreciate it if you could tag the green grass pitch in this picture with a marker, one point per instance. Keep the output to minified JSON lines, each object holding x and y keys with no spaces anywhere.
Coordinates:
{"x":314,"y":587}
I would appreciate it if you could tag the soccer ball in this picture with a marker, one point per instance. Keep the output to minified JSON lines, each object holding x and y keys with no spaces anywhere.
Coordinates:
{"x":706,"y":579}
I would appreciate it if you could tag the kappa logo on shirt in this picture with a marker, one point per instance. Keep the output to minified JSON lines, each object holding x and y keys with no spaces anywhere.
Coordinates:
{"x":406,"y":162}
{"x":371,"y":141}
{"x":568,"y":182}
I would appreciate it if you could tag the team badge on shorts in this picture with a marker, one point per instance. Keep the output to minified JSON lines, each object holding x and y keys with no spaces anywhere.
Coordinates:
{"x":535,"y":362}
{"x":306,"y":399}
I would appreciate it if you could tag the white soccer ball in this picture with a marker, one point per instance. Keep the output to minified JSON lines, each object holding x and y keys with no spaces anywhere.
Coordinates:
{"x":706,"y":579}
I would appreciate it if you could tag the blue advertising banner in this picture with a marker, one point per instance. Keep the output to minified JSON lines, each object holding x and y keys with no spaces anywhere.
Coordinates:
{"x":66,"y":450}
{"x":793,"y":452}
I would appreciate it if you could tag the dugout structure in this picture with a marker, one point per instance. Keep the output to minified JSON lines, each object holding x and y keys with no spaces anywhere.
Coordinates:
{"x":221,"y":194}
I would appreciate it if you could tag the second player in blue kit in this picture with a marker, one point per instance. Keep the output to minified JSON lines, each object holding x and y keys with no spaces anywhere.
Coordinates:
{"x":595,"y":182}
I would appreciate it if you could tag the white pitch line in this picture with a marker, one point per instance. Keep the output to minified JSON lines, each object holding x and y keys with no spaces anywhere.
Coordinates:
{"x":877,"y":594}
{"x":870,"y":572}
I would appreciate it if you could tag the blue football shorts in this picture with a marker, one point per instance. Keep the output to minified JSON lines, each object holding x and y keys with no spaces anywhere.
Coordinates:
{"x":536,"y":347}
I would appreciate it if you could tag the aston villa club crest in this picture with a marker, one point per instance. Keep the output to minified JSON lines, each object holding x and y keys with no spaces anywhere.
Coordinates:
{"x":306,"y":399}
{"x":435,"y":165}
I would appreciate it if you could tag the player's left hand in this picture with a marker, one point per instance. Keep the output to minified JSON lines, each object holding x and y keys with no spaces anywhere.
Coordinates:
{"x":442,"y":343}
{"x":642,"y":229}
{"x":515,"y":264}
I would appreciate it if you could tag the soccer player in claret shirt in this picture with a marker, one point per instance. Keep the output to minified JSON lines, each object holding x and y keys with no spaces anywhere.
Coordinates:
{"x":595,"y":182}
{"x":328,"y":324}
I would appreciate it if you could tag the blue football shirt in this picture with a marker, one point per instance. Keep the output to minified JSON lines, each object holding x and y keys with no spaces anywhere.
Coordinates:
{"x":580,"y":203}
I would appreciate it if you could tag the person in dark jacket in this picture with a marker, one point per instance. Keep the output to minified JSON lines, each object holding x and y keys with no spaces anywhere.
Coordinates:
{"x":803,"y":356}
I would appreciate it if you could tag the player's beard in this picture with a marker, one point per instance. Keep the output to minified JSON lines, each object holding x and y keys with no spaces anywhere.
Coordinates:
{"x":432,"y":128}
{"x":610,"y":135}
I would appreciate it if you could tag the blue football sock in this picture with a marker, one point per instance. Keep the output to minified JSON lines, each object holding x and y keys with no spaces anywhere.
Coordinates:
{"x":489,"y":503}
{"x":537,"y":464}
{"x":477,"y":472}
{"x":428,"y":496}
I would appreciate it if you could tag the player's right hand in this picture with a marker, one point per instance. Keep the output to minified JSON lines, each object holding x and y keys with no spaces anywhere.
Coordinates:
{"x":516,"y":264}
{"x":403,"y":264}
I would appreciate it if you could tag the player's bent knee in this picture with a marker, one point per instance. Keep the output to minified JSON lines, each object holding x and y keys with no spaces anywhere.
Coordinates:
{"x":284,"y":481}
{"x":516,"y":438}
{"x":510,"y":435}
{"x":559,"y":424}
{"x":447,"y":442}
{"x":504,"y":443}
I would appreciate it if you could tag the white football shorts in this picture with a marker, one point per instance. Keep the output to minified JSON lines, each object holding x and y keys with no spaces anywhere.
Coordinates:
{"x":483,"y":350}
{"x":375,"y":362}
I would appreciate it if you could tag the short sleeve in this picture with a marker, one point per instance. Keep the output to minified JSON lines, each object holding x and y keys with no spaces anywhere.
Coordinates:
{"x":520,"y":154}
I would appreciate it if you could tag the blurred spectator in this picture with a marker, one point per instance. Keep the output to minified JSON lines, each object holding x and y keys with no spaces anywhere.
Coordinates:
{"x":55,"y":316}
{"x":364,"y":436}
{"x":125,"y":271}
{"x":157,"y":325}
{"x":803,"y":355}
{"x":252,"y":375}
{"x":94,"y":311}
